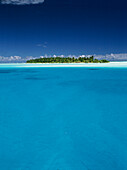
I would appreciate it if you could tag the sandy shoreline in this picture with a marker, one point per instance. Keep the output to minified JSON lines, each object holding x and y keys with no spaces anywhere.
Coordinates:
{"x":111,"y":64}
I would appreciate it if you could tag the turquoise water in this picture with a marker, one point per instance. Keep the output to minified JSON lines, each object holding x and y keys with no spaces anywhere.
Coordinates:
{"x":63,"y":118}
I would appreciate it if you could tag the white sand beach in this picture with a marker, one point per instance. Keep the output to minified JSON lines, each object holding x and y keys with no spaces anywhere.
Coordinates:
{"x":122,"y":64}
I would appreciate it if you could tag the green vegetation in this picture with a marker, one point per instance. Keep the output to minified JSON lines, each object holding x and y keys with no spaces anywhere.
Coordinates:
{"x":67,"y":60}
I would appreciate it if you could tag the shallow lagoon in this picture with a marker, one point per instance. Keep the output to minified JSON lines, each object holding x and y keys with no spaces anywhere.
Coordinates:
{"x":122,"y":64}
{"x":62,"y":118}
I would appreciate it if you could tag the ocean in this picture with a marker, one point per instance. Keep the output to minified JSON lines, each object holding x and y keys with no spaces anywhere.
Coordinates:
{"x":63,"y":118}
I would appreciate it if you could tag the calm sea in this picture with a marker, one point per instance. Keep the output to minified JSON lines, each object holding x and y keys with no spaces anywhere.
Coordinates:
{"x":63,"y":118}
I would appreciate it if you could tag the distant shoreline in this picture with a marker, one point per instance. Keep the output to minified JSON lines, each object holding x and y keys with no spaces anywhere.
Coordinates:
{"x":122,"y":64}
{"x":67,"y":60}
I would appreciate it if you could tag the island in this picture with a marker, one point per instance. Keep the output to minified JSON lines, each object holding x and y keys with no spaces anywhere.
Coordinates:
{"x":67,"y":60}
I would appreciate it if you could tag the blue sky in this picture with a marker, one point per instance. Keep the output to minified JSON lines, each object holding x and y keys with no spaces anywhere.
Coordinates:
{"x":62,"y":27}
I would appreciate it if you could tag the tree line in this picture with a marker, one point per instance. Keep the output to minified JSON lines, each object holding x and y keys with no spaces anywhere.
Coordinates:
{"x":67,"y":60}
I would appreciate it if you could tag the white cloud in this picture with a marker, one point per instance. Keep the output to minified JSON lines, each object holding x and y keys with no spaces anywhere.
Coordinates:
{"x":21,"y":2}
{"x":18,"y":59}
{"x":44,"y":45}
{"x":112,"y":57}
{"x":15,"y":59}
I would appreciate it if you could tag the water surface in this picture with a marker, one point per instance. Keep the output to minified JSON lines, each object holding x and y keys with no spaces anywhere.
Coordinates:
{"x":55,"y":118}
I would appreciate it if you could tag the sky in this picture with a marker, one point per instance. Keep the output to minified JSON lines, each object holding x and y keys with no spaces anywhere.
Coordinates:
{"x":39,"y":27}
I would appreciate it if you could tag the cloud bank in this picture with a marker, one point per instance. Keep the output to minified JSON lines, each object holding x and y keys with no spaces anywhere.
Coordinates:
{"x":21,"y":2}
{"x":19,"y":59}
{"x":112,"y":57}
{"x":15,"y":59}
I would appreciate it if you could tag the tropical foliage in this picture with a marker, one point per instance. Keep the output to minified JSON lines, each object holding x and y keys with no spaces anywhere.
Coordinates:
{"x":67,"y":60}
